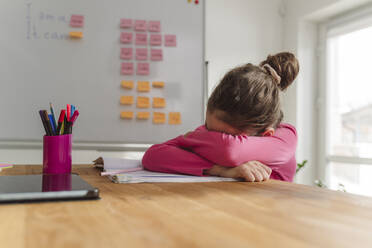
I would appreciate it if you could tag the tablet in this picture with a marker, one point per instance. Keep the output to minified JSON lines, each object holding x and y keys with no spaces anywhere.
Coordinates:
{"x":48,"y":187}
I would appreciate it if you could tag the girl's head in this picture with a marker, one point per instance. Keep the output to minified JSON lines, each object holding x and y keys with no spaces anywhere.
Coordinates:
{"x":247,"y":98}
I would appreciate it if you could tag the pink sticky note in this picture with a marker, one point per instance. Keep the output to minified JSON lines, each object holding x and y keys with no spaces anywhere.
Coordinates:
{"x":126,"y":38}
{"x":154,"y":26}
{"x":141,"y":54}
{"x":126,"y":23}
{"x":140,"y":25}
{"x":156,"y":54}
{"x":141,"y":39}
{"x":170,"y":40}
{"x":127,"y":68}
{"x":143,"y":69}
{"x":155,"y":39}
{"x":77,"y":21}
{"x":126,"y":53}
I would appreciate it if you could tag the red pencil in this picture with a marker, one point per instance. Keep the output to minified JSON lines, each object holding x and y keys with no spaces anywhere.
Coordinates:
{"x":74,"y":117}
{"x":68,"y":112}
{"x":60,"y":120}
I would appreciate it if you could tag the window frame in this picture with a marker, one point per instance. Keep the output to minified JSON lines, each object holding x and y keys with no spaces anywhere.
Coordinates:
{"x":342,"y":24}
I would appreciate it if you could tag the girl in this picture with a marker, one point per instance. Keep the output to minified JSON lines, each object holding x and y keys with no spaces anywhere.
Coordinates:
{"x":243,"y":129}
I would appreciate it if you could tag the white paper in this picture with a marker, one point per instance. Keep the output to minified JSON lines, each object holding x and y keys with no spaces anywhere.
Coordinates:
{"x":120,"y":163}
{"x":144,"y":176}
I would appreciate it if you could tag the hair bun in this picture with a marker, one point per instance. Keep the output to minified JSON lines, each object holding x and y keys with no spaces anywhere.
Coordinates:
{"x":285,"y":65}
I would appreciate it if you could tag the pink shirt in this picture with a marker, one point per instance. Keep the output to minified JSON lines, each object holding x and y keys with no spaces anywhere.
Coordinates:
{"x":202,"y":149}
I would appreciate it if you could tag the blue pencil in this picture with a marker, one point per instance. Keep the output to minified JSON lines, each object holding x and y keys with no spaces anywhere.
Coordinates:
{"x":52,"y":123}
{"x":72,"y":110}
{"x":52,"y":112}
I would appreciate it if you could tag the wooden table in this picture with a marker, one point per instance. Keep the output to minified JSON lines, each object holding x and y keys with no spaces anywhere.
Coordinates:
{"x":223,"y":214}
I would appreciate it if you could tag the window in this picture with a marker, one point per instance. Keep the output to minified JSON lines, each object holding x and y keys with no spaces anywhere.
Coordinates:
{"x":348,"y":102}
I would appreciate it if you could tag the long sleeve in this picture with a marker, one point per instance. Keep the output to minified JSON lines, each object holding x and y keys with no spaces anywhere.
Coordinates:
{"x":202,"y":149}
{"x":169,"y":157}
{"x":230,"y":150}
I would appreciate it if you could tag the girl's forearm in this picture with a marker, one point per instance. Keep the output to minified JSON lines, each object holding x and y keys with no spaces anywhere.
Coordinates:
{"x":169,"y":157}
{"x":229,"y":150}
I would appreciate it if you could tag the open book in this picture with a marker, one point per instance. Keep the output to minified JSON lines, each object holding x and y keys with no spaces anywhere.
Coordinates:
{"x":121,"y":170}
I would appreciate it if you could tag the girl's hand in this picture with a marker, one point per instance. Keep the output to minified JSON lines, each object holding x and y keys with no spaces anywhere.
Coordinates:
{"x":252,"y":171}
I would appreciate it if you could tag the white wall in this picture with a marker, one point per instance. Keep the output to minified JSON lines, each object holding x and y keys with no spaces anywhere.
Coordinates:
{"x":241,"y":31}
{"x":296,"y":14}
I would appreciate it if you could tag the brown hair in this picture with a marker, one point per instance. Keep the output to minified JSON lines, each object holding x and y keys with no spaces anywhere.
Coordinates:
{"x":248,"y":95}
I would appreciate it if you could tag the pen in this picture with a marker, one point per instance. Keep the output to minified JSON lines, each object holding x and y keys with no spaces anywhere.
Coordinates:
{"x":52,"y":112}
{"x":60,"y":121}
{"x":68,"y":128}
{"x":44,"y":121}
{"x":72,"y":110}
{"x":68,"y":108}
{"x":50,"y":131}
{"x":65,"y":124}
{"x":53,"y":124}
{"x":72,"y":121}
{"x":74,"y":117}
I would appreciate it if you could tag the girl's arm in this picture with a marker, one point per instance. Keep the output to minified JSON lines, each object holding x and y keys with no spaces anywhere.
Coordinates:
{"x":169,"y":157}
{"x":229,"y":150}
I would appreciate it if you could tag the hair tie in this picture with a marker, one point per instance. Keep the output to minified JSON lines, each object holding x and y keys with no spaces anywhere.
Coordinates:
{"x":272,"y":72}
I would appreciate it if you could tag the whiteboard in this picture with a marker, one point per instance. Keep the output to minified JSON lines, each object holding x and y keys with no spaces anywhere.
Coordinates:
{"x":39,"y":64}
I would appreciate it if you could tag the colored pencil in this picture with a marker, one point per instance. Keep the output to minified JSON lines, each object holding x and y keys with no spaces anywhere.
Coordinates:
{"x":41,"y":113}
{"x":65,"y":122}
{"x":52,"y":112}
{"x":72,"y":110}
{"x":50,"y":131}
{"x":68,"y":113}
{"x":60,"y":121}
{"x":74,"y":117}
{"x":53,"y":124}
{"x":63,"y":127}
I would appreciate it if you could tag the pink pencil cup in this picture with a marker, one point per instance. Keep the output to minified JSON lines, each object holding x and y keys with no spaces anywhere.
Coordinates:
{"x":57,"y":154}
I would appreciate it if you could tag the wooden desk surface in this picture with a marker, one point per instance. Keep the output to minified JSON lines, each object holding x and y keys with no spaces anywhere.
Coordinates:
{"x":224,"y":214}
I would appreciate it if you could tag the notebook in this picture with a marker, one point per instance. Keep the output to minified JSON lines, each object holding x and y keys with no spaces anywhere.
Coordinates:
{"x":5,"y":166}
{"x":121,"y":170}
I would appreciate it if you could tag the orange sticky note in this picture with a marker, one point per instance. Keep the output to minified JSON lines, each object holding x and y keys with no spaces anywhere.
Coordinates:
{"x":126,"y":115}
{"x":126,"y":100}
{"x":143,"y":102}
{"x":158,"y":84}
{"x":158,"y":102}
{"x":76,"y":35}
{"x":143,"y":86}
{"x":174,"y":118}
{"x":127,"y":84}
{"x":158,"y":118}
{"x":143,"y":115}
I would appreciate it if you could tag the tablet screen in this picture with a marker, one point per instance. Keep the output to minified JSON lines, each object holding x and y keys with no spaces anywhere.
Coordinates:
{"x":45,"y":187}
